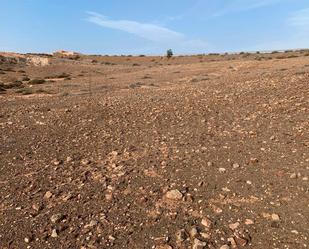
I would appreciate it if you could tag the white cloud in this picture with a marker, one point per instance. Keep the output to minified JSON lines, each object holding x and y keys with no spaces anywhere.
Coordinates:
{"x":147,"y":31}
{"x":160,"y":37}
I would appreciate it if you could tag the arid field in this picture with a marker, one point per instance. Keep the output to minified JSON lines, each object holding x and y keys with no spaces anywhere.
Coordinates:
{"x":141,"y":152}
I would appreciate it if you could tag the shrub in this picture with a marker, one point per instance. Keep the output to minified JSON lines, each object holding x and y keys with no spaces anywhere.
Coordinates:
{"x":2,"y":89}
{"x":25,"y":91}
{"x":136,"y":85}
{"x":63,"y":75}
{"x":37,"y":81}
{"x":292,"y":56}
{"x":14,"y":84}
{"x":169,"y":53}
{"x":40,"y":90}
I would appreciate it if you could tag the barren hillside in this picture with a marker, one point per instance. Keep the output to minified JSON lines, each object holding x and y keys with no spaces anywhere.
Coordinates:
{"x":149,"y":152}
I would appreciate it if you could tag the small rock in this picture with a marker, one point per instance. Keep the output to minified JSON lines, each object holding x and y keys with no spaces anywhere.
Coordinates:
{"x":27,"y":240}
{"x":249,"y":222}
{"x":163,"y":247}
{"x":235,"y":166}
{"x":91,"y":224}
{"x":197,"y":244}
{"x":174,"y":194}
{"x":206,"y":222}
{"x":266,"y":215}
{"x":275,"y":217}
{"x":111,"y":238}
{"x":305,"y":178}
{"x":241,"y":241}
{"x":56,"y":218}
{"x":54,"y":233}
{"x":254,"y":160}
{"x":36,"y":207}
{"x":114,"y":153}
{"x":293,"y":176}
{"x":48,"y":195}
{"x":206,"y":235}
{"x":69,"y":159}
{"x":209,"y":164}
{"x":181,"y":235}
{"x":234,"y":226}
{"x":232,"y":242}
{"x":85,"y":161}
{"x":226,"y":189}
{"x":193,"y":232}
{"x":225,"y":247}
{"x":222,"y":170}
{"x":56,"y":162}
{"x":109,"y":196}
{"x":217,"y":210}
{"x":295,"y":232}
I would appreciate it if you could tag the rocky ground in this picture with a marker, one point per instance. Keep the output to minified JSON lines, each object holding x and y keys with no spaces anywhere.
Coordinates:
{"x":145,"y":152}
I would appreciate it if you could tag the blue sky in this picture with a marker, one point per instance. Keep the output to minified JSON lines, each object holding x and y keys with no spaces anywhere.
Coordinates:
{"x":151,"y":27}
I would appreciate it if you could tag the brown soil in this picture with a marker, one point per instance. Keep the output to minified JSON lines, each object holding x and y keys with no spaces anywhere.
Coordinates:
{"x":146,"y":152}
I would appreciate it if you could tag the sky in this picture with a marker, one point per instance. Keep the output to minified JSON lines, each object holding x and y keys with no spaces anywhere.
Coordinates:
{"x":151,"y":27}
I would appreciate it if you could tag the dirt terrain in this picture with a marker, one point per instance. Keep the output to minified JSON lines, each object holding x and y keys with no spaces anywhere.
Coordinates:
{"x":207,"y":151}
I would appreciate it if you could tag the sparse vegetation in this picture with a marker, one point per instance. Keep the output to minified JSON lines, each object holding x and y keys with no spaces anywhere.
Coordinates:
{"x":37,"y":81}
{"x":137,"y":135}
{"x":169,"y":53}
{"x":63,"y":75}
{"x":30,"y":90}
{"x":41,"y":90}
{"x":292,"y":56}
{"x":13,"y":84}
{"x":2,"y":89}
{"x":25,"y":91}
{"x":136,"y":85}
{"x":146,"y":77}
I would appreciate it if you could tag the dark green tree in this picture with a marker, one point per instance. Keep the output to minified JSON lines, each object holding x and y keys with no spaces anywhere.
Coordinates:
{"x":169,"y":53}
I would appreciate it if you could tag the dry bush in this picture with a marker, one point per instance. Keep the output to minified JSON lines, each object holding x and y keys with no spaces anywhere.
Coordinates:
{"x":37,"y":81}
